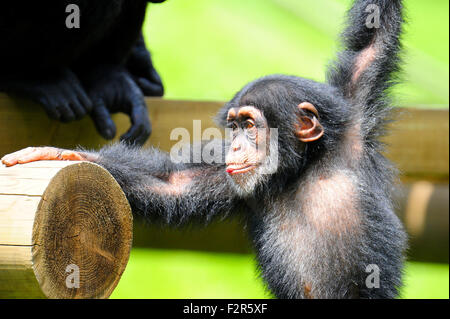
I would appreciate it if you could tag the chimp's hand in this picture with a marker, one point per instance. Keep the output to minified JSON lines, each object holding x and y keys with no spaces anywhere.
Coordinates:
{"x":112,"y":89}
{"x":32,"y":154}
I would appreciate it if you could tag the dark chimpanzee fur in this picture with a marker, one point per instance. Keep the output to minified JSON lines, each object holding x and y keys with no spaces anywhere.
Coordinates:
{"x":324,"y":219}
{"x":100,"y":68}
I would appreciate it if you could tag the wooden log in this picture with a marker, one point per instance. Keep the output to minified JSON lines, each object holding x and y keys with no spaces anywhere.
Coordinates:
{"x":65,"y":231}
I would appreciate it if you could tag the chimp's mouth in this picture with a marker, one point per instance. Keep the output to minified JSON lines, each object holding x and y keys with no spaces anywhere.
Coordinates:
{"x":239,"y":169}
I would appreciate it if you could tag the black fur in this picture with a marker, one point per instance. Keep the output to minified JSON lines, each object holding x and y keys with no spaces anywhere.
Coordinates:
{"x":100,"y":68}
{"x":326,"y":213}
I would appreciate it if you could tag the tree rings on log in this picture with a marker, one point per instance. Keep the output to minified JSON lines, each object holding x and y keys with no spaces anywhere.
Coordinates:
{"x":71,"y":225}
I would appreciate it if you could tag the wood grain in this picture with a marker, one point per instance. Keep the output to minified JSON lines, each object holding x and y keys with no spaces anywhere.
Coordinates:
{"x":56,"y":214}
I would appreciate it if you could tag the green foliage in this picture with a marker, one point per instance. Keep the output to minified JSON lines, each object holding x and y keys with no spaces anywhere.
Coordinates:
{"x":188,"y":274}
{"x":426,"y":281}
{"x":208,"y":49}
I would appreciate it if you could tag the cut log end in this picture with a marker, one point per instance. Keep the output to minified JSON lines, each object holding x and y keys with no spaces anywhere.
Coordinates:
{"x":82,"y":233}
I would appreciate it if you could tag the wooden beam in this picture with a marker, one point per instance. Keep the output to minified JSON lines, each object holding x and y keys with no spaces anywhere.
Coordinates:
{"x":55,"y":215}
{"x":418,"y":143}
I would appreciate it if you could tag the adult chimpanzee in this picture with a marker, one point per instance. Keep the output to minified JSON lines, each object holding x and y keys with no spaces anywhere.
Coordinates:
{"x":322,"y":221}
{"x":100,"y":67}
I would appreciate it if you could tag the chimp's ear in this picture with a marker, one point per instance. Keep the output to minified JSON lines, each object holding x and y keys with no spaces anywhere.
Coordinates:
{"x":308,"y":128}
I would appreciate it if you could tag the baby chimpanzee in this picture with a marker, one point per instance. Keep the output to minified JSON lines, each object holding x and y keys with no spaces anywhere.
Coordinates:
{"x":319,"y":208}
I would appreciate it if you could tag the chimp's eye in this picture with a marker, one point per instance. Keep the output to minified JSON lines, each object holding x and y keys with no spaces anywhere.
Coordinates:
{"x":249,"y":124}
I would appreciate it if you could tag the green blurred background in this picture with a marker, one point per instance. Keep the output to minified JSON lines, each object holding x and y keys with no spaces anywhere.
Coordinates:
{"x":209,"y":49}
